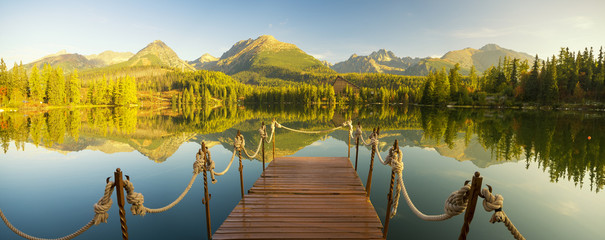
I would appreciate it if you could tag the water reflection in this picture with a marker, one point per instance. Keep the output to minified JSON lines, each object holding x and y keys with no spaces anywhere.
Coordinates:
{"x":567,"y":145}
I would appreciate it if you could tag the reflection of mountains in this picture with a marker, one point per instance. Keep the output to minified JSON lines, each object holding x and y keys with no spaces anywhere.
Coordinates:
{"x":155,"y":147}
{"x":287,"y":142}
{"x":473,"y":151}
{"x":567,"y":145}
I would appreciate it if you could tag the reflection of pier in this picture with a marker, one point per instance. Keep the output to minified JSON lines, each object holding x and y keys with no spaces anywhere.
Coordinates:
{"x":304,"y":197}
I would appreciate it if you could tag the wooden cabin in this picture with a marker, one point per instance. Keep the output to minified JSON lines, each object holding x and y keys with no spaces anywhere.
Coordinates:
{"x":340,"y":85}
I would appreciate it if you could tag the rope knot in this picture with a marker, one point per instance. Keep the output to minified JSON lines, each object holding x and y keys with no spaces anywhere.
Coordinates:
{"x":263,"y":131}
{"x":210,"y":167}
{"x":103,"y":205}
{"x":456,"y":203}
{"x":240,"y":142}
{"x":493,"y":202}
{"x":198,"y":165}
{"x":135,"y":199}
{"x":374,"y":139}
{"x":358,"y":131}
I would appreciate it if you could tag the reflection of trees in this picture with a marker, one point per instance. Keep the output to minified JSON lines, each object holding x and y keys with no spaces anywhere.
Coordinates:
{"x":558,"y":142}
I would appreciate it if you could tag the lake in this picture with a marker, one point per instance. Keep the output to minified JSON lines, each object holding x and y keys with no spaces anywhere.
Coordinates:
{"x":548,"y":165}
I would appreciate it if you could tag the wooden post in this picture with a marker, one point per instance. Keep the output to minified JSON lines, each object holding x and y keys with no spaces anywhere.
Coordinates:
{"x":369,"y":182}
{"x":357,"y":148}
{"x":262,"y":140}
{"x":274,"y":135}
{"x":389,"y":199}
{"x":472,"y":203}
{"x":206,"y":200}
{"x":349,"y":146}
{"x":241,"y":168}
{"x":120,"y":197}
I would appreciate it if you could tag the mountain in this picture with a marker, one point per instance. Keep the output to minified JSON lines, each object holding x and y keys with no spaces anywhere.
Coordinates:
{"x":110,"y":57}
{"x":381,"y":61}
{"x":67,"y":61}
{"x":156,"y":53}
{"x":266,"y":52}
{"x":482,"y":59}
{"x":206,"y":61}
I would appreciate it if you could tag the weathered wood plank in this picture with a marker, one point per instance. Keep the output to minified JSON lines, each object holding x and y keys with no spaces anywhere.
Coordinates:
{"x":304,"y":198}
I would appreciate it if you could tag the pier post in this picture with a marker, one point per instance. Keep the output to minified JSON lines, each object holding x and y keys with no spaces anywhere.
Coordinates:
{"x":274,"y":136}
{"x":349,"y":146}
{"x":357,"y":148}
{"x":120,"y":196}
{"x":241,"y":168}
{"x":389,"y":199}
{"x":262,"y":140}
{"x":206,"y":200}
{"x":472,"y":203}
{"x":369,"y":182}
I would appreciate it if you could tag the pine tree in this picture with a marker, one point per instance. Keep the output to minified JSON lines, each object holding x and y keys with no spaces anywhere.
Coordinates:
{"x":473,"y":78}
{"x":3,"y":81}
{"x":454,"y":82}
{"x":35,"y":86}
{"x":55,"y":90}
{"x":532,"y":85}
{"x":73,"y":88}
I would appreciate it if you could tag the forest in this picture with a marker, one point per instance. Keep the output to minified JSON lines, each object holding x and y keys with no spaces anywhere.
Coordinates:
{"x":569,"y":78}
{"x":52,"y":87}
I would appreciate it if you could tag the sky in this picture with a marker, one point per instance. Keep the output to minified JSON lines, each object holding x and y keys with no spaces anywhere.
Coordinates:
{"x":328,"y":30}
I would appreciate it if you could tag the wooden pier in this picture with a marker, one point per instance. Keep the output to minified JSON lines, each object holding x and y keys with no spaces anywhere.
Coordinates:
{"x":304,"y":198}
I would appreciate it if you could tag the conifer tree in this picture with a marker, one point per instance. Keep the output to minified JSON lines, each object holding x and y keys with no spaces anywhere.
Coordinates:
{"x":35,"y":85}
{"x":73,"y":88}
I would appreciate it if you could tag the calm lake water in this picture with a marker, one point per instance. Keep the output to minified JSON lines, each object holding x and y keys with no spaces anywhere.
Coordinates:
{"x":549,"y":166}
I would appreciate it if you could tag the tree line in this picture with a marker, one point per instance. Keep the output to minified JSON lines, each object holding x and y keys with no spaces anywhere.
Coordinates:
{"x":51,"y":86}
{"x":567,"y":78}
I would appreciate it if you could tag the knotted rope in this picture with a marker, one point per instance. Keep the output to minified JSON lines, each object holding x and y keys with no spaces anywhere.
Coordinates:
{"x":494,"y":202}
{"x":359,"y":133}
{"x":137,"y":199}
{"x":263,"y":135}
{"x":100,"y":209}
{"x":455,"y":204}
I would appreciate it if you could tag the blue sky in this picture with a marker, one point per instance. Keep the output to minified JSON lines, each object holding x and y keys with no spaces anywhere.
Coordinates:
{"x":328,"y":30}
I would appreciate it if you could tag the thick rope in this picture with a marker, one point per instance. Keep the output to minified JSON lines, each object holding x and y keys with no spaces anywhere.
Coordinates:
{"x":137,"y":199}
{"x":455,"y":204}
{"x":100,"y":209}
{"x":310,"y":132}
{"x":494,"y":203}
{"x":241,"y":143}
{"x":359,"y":133}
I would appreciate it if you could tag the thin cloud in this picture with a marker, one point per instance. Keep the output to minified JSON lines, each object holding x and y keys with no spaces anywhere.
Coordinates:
{"x":481,"y":33}
{"x":582,"y":22}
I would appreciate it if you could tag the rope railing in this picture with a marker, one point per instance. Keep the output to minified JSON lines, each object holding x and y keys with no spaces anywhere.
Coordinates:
{"x":100,"y":209}
{"x":456,"y":203}
{"x":459,"y":201}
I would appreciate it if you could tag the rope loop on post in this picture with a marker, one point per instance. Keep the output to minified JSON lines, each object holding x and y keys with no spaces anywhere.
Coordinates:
{"x":239,"y":142}
{"x":454,"y":205}
{"x":495,"y":202}
{"x":263,"y":131}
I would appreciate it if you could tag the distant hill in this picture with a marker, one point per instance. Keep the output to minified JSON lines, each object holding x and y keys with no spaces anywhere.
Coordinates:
{"x":381,"y":61}
{"x":266,"y":52}
{"x":156,"y":53}
{"x":206,"y":61}
{"x":67,"y":61}
{"x":482,"y":59}
{"x":110,"y":57}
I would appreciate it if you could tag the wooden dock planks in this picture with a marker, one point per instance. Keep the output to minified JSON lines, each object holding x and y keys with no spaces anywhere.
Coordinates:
{"x":304,"y":198}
